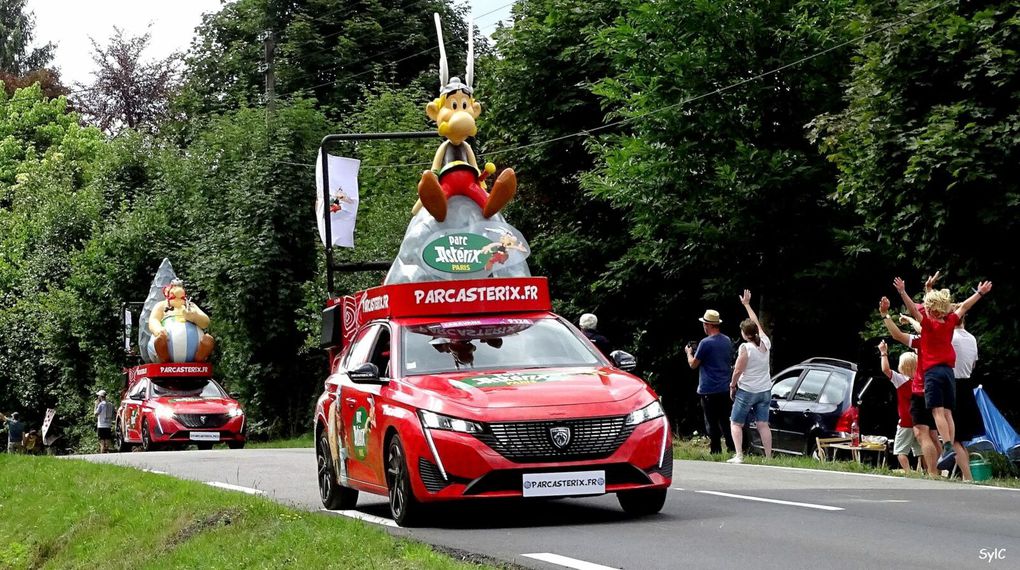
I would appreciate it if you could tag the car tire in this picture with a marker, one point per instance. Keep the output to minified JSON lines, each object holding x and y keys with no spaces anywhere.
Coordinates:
{"x":147,"y":444}
{"x":642,"y":502}
{"x":204,"y":446}
{"x":405,"y":508}
{"x":118,"y":440}
{"x":235,"y":444}
{"x":333,"y":495}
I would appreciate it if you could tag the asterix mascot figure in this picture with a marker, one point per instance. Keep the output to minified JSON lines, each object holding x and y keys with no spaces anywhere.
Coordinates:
{"x":454,"y":169}
{"x":178,"y":328}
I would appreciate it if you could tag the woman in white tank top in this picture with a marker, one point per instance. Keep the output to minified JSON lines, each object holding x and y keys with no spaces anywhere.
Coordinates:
{"x":751,"y":386}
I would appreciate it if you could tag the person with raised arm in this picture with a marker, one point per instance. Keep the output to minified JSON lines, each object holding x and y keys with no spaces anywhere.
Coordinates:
{"x":938,"y":358}
{"x":751,"y":385}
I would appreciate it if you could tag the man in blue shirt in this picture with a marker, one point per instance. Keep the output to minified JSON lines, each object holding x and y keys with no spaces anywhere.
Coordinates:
{"x":713,"y":359}
{"x":15,"y":431}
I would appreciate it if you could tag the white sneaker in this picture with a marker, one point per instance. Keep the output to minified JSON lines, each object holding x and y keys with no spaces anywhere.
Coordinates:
{"x":735,"y":459}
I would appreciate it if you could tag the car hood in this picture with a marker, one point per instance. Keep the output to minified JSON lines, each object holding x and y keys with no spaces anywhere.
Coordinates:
{"x":193,"y":405}
{"x":531,"y":387}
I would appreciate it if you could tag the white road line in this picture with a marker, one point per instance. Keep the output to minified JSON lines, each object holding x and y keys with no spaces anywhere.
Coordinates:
{"x":364,"y":517}
{"x":776,"y":501}
{"x":156,"y":471}
{"x":228,"y":486}
{"x":568,"y":562}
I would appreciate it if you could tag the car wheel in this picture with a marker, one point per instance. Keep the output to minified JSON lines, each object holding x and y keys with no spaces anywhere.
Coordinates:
{"x":118,"y":439}
{"x":235,"y":444}
{"x":404,"y":506}
{"x":204,"y":446}
{"x":641,"y":502}
{"x":147,"y":444}
{"x":333,"y":495}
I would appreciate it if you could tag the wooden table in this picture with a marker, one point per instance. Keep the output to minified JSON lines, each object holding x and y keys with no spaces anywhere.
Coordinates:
{"x":856,"y":450}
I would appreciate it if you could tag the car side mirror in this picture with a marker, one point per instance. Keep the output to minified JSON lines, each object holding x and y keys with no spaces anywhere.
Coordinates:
{"x":136,"y":397}
{"x":367,"y":373}
{"x":623,"y":360}
{"x":234,"y":395}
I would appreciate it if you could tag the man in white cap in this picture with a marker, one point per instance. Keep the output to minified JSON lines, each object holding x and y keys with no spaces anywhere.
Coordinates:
{"x":104,"y":421}
{"x":713,"y":358}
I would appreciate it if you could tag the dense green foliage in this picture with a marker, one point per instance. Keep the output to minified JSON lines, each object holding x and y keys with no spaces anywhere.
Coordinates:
{"x":664,"y":166}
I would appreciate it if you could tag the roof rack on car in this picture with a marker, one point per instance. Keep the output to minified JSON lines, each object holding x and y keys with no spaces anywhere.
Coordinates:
{"x":831,"y":362}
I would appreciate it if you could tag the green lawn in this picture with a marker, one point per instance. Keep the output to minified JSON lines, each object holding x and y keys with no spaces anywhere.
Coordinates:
{"x":696,"y":448}
{"x":303,"y":440}
{"x":57,"y":513}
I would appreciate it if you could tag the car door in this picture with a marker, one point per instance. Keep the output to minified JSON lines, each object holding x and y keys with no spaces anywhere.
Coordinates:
{"x":783,"y":387}
{"x":357,"y":410}
{"x":131,"y":416}
{"x":801,"y":412}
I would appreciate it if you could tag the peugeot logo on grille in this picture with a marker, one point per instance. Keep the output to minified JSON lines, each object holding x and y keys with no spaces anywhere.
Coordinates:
{"x":560,"y":436}
{"x":202,"y":418}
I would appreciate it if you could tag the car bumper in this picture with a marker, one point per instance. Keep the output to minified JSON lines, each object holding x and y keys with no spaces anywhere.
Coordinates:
{"x":460,"y":466}
{"x":169,"y":430}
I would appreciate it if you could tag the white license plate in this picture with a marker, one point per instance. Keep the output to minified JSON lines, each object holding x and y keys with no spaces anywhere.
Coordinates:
{"x":205,"y":436}
{"x":560,"y":484}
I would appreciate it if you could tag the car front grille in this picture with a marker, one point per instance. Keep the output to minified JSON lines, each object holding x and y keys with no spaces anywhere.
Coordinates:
{"x":532,"y":442}
{"x":202,"y":420}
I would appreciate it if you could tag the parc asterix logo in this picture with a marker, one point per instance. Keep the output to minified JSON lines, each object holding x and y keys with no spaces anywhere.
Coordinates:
{"x":480,"y":250}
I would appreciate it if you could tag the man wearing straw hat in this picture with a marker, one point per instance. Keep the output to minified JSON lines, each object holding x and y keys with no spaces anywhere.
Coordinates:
{"x":712,"y":358}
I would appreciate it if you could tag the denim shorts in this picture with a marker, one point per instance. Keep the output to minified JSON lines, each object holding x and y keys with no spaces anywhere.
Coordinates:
{"x":754,"y":403}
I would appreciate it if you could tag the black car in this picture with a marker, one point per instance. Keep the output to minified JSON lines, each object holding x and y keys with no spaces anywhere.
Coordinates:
{"x":818,"y":398}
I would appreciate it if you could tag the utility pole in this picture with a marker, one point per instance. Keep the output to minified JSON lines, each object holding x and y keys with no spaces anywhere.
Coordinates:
{"x":270,"y":46}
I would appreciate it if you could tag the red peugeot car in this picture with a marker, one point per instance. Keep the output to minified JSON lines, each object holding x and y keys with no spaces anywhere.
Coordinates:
{"x":172,"y":405}
{"x":459,"y":390}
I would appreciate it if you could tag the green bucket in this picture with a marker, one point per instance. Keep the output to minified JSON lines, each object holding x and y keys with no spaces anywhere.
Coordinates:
{"x":980,"y":468}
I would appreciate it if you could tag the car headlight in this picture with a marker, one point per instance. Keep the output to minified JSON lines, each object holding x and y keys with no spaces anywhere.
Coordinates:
{"x":439,"y":421}
{"x":649,"y":412}
{"x":234,"y":412}
{"x":164,"y":412}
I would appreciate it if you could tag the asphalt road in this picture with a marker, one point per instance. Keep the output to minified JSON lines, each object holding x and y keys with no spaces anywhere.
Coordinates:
{"x":716,"y":516}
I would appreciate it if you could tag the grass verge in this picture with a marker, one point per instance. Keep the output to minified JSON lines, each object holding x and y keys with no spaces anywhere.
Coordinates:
{"x":74,"y":514}
{"x":303,"y":440}
{"x":696,"y":448}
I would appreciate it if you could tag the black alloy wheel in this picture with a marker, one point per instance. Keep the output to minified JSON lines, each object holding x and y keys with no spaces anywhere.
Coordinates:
{"x":147,"y":444}
{"x":118,"y":439}
{"x":333,"y":495}
{"x":642,"y":502}
{"x":404,"y":507}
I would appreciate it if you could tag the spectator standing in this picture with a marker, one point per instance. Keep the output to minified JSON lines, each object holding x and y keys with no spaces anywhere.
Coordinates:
{"x":589,"y":326}
{"x":920,"y":415}
{"x":751,"y":387}
{"x":15,"y":431}
{"x":104,"y":421}
{"x":905,"y":442}
{"x":712,"y":359}
{"x":938,"y":358}
{"x":967,"y":416}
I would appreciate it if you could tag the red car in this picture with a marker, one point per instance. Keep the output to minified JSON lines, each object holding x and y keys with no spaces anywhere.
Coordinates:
{"x":176,"y":404}
{"x":460,"y":390}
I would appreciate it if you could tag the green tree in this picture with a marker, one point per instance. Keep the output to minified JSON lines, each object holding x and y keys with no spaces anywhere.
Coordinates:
{"x":719,"y":189}
{"x":17,"y":30}
{"x":927,"y":149}
{"x":328,"y":50}
{"x":539,"y":88}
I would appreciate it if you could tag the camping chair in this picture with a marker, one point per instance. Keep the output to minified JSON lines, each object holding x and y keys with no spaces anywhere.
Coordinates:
{"x":824,"y":444}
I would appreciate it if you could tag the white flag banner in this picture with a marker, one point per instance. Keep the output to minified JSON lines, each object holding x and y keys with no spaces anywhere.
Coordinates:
{"x":343,"y":199}
{"x":127,"y":330}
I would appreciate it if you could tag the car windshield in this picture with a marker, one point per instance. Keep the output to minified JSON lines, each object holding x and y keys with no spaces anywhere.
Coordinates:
{"x":186,"y":388}
{"x":490,"y":344}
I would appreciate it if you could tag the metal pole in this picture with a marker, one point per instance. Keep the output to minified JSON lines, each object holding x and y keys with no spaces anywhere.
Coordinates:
{"x":328,"y":141}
